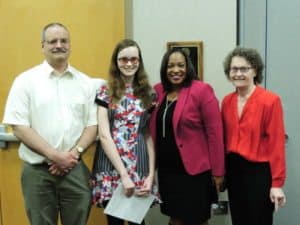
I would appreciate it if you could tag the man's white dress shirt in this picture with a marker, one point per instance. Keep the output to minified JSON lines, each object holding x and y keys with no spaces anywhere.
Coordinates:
{"x":58,"y":107}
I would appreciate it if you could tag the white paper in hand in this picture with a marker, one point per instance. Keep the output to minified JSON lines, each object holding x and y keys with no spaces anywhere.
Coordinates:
{"x":131,"y":209}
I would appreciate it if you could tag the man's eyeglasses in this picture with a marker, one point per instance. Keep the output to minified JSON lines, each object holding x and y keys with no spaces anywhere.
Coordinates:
{"x":62,"y":41}
{"x":132,"y":60}
{"x":242,"y":69}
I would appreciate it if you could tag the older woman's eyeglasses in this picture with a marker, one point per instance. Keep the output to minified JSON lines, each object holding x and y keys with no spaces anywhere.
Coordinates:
{"x":242,"y":69}
{"x":132,"y":60}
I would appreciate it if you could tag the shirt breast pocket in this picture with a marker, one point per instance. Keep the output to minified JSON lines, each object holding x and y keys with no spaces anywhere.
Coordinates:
{"x":77,"y":109}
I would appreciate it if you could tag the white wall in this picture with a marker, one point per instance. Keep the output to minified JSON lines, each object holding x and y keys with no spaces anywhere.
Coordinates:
{"x":154,"y":23}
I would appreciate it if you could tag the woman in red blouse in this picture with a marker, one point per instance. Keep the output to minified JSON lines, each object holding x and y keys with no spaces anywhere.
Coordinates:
{"x":255,"y":141}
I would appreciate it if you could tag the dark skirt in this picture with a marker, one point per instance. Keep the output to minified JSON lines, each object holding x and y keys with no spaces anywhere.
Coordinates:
{"x":186,"y":197}
{"x":249,"y":186}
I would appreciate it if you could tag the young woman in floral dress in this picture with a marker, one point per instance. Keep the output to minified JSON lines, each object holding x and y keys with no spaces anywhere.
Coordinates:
{"x":125,"y":152}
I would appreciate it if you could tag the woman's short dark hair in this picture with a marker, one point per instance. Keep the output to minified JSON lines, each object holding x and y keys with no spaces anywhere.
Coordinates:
{"x":190,"y":71}
{"x":251,"y":56}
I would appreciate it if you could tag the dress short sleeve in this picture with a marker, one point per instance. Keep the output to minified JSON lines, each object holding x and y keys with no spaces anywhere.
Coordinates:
{"x":102,"y":97}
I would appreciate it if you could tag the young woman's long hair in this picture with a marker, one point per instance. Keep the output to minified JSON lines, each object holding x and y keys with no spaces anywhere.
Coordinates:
{"x":141,"y":87}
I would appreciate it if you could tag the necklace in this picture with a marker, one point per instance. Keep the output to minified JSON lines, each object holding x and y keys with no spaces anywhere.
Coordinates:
{"x":168,"y":104}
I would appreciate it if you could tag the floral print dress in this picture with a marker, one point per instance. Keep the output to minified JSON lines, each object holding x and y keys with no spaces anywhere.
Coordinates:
{"x":128,"y":123}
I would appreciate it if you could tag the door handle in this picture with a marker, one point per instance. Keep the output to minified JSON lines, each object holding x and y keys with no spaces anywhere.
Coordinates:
{"x":6,"y":137}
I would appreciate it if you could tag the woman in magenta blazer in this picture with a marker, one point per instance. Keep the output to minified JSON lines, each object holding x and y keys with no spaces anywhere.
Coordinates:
{"x":187,"y":131}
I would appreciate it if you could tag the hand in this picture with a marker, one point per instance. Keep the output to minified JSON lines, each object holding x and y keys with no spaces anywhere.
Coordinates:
{"x":218,"y":182}
{"x":75,"y":152}
{"x":66,"y":159}
{"x":145,"y":190}
{"x":277,"y":196}
{"x":57,"y":171}
{"x":128,"y":185}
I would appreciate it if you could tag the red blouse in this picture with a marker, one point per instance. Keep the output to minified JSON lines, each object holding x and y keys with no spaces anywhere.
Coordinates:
{"x":258,"y":135}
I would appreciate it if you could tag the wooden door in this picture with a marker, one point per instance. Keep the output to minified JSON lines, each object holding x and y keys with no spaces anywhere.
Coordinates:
{"x":95,"y":27}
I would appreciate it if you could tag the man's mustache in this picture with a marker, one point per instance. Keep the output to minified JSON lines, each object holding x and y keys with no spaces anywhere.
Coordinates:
{"x":58,"y":50}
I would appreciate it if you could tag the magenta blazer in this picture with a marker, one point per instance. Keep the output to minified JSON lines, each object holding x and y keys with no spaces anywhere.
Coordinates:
{"x":197,"y":128}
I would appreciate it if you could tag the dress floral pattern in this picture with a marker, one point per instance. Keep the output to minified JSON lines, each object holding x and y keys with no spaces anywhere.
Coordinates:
{"x":128,"y":121}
